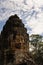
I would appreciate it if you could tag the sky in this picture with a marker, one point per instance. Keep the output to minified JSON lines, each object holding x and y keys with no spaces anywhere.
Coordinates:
{"x":30,"y":11}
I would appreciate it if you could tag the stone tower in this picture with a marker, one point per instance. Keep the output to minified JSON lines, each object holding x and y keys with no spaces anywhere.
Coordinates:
{"x":15,"y":40}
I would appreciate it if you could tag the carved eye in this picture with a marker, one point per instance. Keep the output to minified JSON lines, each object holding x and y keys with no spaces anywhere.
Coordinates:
{"x":18,"y":45}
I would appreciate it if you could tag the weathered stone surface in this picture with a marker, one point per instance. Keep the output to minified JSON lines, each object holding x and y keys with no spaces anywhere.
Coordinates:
{"x":15,"y":42}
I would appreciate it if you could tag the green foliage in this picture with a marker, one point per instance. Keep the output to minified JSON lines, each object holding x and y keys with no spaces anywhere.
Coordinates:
{"x":36,"y":41}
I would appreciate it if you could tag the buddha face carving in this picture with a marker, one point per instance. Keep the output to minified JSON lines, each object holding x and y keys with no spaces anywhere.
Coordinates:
{"x":17,"y":45}
{"x":18,"y":42}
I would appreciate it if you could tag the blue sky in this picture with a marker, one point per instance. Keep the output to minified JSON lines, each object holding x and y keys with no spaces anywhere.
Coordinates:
{"x":1,"y":25}
{"x":30,"y":11}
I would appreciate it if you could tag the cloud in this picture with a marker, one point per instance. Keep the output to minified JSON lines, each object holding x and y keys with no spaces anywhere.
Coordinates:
{"x":38,"y":3}
{"x":36,"y":24}
{"x":30,"y":11}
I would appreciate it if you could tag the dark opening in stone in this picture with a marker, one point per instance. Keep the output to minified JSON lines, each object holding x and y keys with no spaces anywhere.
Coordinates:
{"x":23,"y":63}
{"x":18,"y":45}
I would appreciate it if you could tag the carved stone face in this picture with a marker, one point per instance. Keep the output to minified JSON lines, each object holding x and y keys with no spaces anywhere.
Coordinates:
{"x":18,"y":45}
{"x":18,"y":42}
